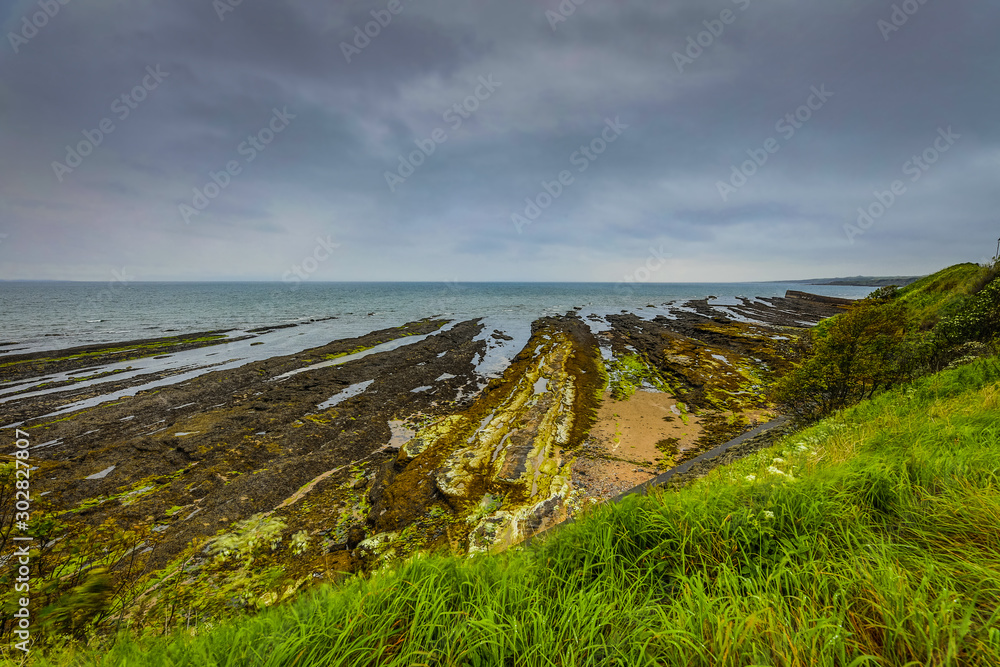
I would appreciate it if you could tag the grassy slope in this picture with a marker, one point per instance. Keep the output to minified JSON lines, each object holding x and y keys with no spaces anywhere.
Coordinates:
{"x":874,"y":533}
{"x":935,"y":296}
{"x":942,"y":293}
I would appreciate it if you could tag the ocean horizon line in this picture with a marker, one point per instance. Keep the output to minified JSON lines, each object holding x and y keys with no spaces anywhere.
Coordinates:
{"x":431,"y":282}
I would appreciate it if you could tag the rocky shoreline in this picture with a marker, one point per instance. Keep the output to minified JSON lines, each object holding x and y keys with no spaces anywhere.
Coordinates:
{"x":348,"y":455}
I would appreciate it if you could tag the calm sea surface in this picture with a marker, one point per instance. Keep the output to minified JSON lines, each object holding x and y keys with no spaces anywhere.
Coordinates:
{"x":47,"y":316}
{"x":51,"y":315}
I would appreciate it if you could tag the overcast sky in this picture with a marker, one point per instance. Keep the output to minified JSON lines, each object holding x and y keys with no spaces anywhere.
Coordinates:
{"x":667,"y":98}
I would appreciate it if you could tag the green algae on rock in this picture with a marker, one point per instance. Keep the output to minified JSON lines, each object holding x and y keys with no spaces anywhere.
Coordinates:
{"x":499,"y":466}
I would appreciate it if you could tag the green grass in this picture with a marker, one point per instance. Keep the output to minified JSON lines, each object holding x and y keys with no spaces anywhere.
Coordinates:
{"x":942,"y":293}
{"x":870,"y":538}
{"x":935,"y":296}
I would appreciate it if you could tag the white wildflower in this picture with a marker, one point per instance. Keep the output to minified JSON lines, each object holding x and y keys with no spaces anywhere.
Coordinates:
{"x":768,"y":514}
{"x":751,"y":478}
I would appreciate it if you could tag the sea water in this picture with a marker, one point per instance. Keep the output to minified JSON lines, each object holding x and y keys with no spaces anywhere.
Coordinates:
{"x":40,"y":316}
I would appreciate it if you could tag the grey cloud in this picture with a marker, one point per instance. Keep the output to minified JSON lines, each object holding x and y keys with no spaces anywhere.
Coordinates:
{"x":451,"y":218}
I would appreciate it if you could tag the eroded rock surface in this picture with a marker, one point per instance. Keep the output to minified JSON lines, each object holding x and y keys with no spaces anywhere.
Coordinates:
{"x":499,"y":470}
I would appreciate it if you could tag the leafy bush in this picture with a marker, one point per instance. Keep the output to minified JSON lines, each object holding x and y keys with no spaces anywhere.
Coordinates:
{"x":79,"y":579}
{"x":855,"y":355}
{"x":979,"y":320}
{"x":76,"y":610}
{"x":894,"y":335}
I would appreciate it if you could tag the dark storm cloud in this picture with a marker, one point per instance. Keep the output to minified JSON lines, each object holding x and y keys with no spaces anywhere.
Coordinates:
{"x":699,"y":88}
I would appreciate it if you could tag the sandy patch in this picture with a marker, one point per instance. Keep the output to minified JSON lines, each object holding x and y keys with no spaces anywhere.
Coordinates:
{"x":601,"y":479}
{"x":630,"y":430}
{"x":622,"y":452}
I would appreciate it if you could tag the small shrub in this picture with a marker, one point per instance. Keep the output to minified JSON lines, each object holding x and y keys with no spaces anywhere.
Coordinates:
{"x":78,"y":609}
{"x":979,"y":320}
